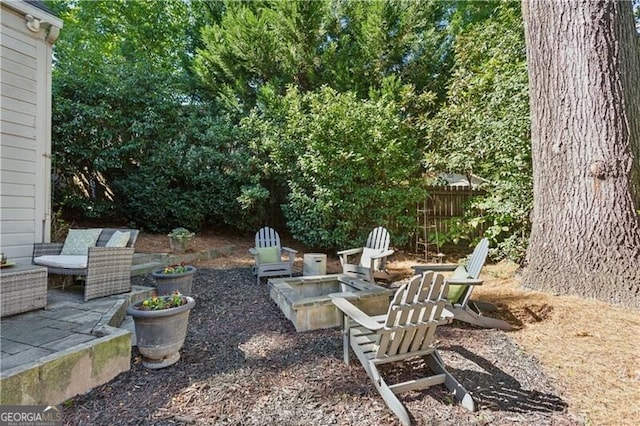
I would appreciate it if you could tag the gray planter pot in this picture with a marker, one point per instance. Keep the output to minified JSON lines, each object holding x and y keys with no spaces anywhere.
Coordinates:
{"x":170,"y":283}
{"x":160,"y":334}
{"x":180,"y":246}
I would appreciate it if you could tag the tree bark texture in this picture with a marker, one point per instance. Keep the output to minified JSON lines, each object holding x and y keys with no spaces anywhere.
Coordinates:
{"x":584,"y":87}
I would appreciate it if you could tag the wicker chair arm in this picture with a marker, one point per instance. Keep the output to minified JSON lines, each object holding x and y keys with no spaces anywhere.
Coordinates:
{"x":108,"y":271}
{"x":45,"y":249}
{"x":113,"y":258}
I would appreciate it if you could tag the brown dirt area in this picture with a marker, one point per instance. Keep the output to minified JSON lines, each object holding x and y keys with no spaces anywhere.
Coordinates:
{"x":586,"y":351}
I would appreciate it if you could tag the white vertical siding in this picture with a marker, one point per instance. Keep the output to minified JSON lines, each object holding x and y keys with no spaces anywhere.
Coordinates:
{"x":25,"y":128}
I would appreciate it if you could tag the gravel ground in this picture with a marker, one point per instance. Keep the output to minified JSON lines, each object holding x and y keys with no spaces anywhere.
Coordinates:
{"x":244,"y":364}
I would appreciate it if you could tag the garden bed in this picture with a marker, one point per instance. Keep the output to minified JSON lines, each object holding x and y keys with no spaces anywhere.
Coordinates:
{"x":586,"y":348}
{"x":244,"y":363}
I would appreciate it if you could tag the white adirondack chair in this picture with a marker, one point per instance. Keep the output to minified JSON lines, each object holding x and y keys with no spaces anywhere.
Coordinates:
{"x":268,"y":255}
{"x":405,"y":332}
{"x":461,"y":284}
{"x":373,"y":256}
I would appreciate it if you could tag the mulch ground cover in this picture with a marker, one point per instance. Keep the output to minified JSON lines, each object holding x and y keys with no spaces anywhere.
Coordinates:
{"x":243,"y":363}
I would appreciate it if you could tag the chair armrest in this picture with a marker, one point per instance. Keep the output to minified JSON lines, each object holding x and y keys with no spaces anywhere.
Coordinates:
{"x":45,"y":249}
{"x":344,"y":254}
{"x":350,"y":251}
{"x":463,"y":281}
{"x":420,"y":268}
{"x":384,"y":254}
{"x":254,"y":253}
{"x":381,"y":257}
{"x":108,"y":271}
{"x":356,"y":314}
{"x":109,"y":257}
{"x":291,"y":255}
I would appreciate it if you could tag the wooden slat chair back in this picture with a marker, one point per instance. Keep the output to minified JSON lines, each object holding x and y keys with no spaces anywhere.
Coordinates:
{"x":406,"y":332}
{"x":471,"y":311}
{"x":413,"y":315}
{"x":478,"y":258}
{"x":378,"y":239}
{"x":373,"y":255}
{"x":266,"y":238}
{"x":473,"y":267}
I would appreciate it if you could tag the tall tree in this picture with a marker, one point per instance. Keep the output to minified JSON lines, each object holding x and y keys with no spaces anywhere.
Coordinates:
{"x":584,"y":68}
{"x":347,"y":45}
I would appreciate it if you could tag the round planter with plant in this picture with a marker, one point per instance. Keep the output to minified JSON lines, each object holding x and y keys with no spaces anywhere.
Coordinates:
{"x":161,"y":327}
{"x":174,"y":278}
{"x":180,"y":240}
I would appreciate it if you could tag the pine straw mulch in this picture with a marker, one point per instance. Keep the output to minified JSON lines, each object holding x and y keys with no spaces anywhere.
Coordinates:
{"x":570,"y":361}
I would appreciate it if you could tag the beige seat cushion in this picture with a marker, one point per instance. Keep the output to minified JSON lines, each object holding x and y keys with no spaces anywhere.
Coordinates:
{"x":62,"y":261}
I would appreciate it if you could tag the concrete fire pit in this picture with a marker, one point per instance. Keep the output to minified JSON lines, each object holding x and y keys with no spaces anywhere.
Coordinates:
{"x":306,"y":301}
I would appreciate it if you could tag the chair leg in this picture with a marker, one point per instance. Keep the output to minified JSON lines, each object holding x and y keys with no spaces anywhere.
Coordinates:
{"x":482,"y":306}
{"x":393,"y":402}
{"x":383,"y":389}
{"x":467,"y":315}
{"x":345,"y":338}
{"x":68,"y":279}
{"x":460,"y":394}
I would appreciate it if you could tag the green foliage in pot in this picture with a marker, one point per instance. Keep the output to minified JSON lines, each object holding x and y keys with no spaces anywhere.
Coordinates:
{"x":175,"y":269}
{"x":182,"y":236}
{"x":157,"y":303}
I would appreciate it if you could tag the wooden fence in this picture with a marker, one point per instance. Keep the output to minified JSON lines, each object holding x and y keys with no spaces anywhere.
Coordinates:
{"x":434,"y":216}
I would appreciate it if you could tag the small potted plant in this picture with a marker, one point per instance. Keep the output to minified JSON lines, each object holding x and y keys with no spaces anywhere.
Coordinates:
{"x":161,"y":327}
{"x":180,"y":240}
{"x":174,"y":278}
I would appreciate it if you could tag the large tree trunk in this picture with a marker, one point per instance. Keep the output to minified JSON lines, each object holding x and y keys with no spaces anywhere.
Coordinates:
{"x":584,"y":79}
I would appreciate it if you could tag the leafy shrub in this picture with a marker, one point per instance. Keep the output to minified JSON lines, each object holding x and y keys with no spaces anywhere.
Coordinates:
{"x":484,"y":127}
{"x":189,"y":181}
{"x":348,"y":164}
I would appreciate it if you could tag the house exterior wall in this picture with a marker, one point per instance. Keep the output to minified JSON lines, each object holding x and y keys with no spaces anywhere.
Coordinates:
{"x":25,"y":127}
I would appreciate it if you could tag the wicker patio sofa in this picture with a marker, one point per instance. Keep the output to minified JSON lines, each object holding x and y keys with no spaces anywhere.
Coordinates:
{"x":107,"y":270}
